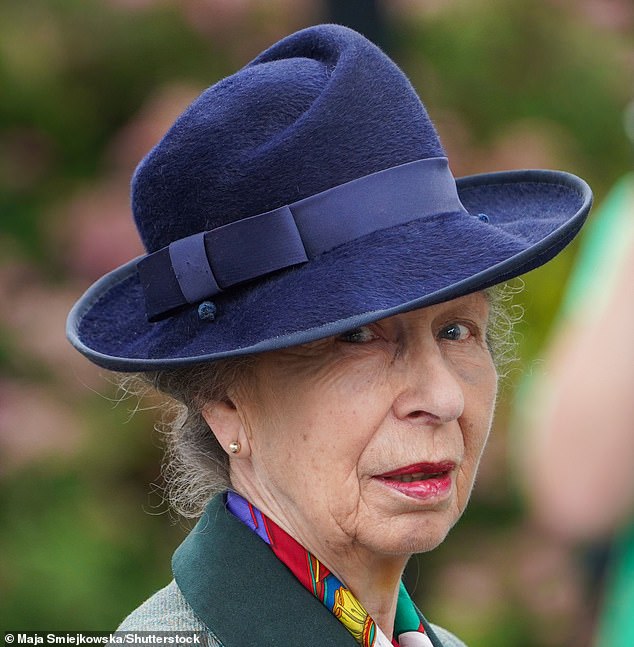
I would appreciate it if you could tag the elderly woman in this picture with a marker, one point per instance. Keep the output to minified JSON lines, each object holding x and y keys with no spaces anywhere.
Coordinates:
{"x":315,"y":295}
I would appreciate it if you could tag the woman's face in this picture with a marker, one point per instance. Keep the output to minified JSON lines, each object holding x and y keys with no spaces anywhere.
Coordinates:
{"x":371,"y":440}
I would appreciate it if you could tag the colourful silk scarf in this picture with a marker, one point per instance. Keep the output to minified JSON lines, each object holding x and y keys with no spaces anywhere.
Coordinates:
{"x":326,"y":587}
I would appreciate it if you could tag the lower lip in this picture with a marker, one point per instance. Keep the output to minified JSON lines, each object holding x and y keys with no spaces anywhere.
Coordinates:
{"x":427,"y":490}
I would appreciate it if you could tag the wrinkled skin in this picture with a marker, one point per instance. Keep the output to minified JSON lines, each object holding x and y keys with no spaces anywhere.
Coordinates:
{"x":320,"y":422}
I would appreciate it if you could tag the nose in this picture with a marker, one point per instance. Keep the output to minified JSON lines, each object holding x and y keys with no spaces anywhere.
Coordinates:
{"x":428,"y":390}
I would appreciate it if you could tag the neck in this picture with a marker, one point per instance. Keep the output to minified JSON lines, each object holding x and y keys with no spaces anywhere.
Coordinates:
{"x":373,"y":579}
{"x":374,"y":583}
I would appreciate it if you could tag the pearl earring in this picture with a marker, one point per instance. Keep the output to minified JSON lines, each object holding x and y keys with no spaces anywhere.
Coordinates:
{"x":235,"y":447}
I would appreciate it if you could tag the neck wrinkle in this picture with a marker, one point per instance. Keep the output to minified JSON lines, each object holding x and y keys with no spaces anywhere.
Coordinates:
{"x":372,"y":579}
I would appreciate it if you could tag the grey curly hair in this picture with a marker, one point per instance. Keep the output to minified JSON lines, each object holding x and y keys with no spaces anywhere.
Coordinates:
{"x":196,"y":467}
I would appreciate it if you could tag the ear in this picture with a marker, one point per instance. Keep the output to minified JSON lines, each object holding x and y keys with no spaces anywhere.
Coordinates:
{"x":228,"y":427}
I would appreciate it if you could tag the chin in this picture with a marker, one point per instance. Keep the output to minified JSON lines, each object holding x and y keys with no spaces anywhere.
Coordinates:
{"x":423,"y":543}
{"x":415,"y":535}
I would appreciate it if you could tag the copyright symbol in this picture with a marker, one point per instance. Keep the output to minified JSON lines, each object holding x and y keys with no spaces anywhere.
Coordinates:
{"x":9,"y":638}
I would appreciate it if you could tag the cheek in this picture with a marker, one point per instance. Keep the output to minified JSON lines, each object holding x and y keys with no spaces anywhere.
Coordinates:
{"x":313,"y":433}
{"x":480,"y":404}
{"x":475,"y":425}
{"x":320,"y":400}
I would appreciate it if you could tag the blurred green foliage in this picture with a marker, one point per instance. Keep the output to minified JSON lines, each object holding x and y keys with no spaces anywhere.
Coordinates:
{"x":76,"y":550}
{"x":73,"y":73}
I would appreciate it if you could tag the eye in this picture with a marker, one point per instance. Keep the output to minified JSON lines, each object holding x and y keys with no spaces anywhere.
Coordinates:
{"x":455,"y":332}
{"x":361,"y":335}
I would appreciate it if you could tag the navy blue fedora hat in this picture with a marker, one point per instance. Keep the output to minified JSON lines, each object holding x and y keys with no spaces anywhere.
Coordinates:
{"x":303,"y":196}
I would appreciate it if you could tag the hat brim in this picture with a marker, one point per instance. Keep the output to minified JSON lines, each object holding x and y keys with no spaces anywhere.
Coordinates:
{"x":532,"y":215}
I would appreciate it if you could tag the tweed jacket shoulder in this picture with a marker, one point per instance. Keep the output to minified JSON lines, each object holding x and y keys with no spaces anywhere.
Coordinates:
{"x":167,"y":610}
{"x":230,"y":586}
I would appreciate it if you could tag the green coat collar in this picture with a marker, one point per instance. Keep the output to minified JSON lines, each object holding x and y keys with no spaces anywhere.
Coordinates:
{"x":245,"y":595}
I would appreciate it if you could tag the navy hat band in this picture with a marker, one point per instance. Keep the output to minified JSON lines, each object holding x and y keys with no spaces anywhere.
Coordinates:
{"x":201,"y":266}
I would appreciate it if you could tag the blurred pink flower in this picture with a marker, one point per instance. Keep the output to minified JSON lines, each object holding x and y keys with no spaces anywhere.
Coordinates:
{"x":148,"y":126}
{"x":616,"y":15}
{"x":34,"y":424}
{"x":245,"y":27}
{"x":215,"y":15}
{"x":135,"y":5}
{"x":94,"y":232}
{"x":528,"y":143}
{"x":413,"y":8}
{"x":34,"y":315}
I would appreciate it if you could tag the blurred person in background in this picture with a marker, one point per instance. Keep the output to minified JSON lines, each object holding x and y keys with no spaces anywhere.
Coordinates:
{"x":577,"y":431}
{"x":317,"y":299}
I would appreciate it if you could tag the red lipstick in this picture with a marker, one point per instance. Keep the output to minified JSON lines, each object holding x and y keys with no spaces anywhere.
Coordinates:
{"x":424,"y":481}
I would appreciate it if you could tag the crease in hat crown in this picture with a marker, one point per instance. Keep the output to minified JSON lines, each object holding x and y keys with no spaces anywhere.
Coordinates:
{"x":316,"y":110}
{"x":319,"y":109}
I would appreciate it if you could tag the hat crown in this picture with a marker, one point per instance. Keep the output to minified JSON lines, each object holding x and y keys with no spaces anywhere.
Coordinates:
{"x":320,"y":108}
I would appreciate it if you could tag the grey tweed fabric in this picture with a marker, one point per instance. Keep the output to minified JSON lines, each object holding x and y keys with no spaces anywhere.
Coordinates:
{"x":167,"y":610}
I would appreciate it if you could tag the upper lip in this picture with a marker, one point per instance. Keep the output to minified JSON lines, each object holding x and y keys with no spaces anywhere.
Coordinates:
{"x":439,"y":467}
